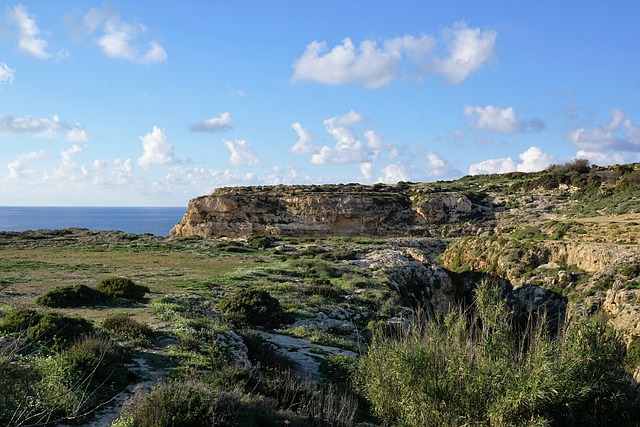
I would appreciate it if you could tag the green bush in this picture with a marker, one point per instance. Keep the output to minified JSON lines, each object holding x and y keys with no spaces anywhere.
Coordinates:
{"x":81,"y":379}
{"x":126,"y":328}
{"x":176,"y":403}
{"x":18,"y":380}
{"x":56,"y":329}
{"x":19,"y":320}
{"x":316,"y":268}
{"x":472,"y":369}
{"x":255,"y":308}
{"x":71,"y":296}
{"x":121,"y":287}
{"x":48,"y":329}
{"x":324,"y":288}
{"x":260,"y":242}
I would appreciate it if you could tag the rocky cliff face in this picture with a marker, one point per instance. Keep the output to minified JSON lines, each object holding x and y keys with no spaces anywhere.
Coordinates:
{"x":328,"y":210}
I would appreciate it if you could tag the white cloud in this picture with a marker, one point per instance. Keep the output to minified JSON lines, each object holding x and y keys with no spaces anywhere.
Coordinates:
{"x":368,"y":64}
{"x":617,"y":134}
{"x":366,"y":170}
{"x":77,"y":134}
{"x":534,"y":159}
{"x":105,"y":172}
{"x":44,"y":128}
{"x":156,"y":149}
{"x":303,"y":145}
{"x":531,"y":160}
{"x":376,"y":66}
{"x":29,"y":40}
{"x":599,"y":158}
{"x":222,"y":123}
{"x":242,"y":153}
{"x":468,"y":49}
{"x":6,"y":74}
{"x":348,"y":148}
{"x":280,"y":175}
{"x":501,"y":120}
{"x":501,"y":165}
{"x":438,"y":168}
{"x":376,"y":142}
{"x":67,"y":169}
{"x":119,"y":39}
{"x":396,"y":172}
{"x":154,"y":54}
{"x":17,"y":167}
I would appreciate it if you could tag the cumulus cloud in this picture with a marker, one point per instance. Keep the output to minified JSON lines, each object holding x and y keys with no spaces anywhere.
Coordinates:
{"x":119,"y":39}
{"x":117,"y":172}
{"x":395,"y":172}
{"x":617,"y":134}
{"x":281,"y":175}
{"x":242,"y":153}
{"x":438,"y":168}
{"x":29,"y":38}
{"x":531,"y":160}
{"x":368,"y":63}
{"x":303,"y":145}
{"x":156,"y":149}
{"x":467,"y":50}
{"x":376,"y":65}
{"x":6,"y":74}
{"x":17,"y":167}
{"x":67,"y":169}
{"x":348,"y":148}
{"x":599,"y":158}
{"x":43,"y":127}
{"x":500,"y":120}
{"x":376,"y":141}
{"x":366,"y":170}
{"x":222,"y":123}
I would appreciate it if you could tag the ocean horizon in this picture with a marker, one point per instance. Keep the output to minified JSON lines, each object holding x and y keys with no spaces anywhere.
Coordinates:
{"x":131,"y":219}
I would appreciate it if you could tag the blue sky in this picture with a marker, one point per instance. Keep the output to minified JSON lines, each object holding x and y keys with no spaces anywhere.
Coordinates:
{"x":156,"y":102}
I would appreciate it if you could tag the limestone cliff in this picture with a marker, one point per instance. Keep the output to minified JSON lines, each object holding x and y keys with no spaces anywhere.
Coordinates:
{"x":326,"y":210}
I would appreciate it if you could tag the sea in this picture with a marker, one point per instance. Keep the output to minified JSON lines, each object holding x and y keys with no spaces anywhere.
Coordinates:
{"x":138,"y":220}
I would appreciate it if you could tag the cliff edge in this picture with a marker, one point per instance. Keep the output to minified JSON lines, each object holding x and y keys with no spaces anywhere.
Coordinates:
{"x":328,"y":210}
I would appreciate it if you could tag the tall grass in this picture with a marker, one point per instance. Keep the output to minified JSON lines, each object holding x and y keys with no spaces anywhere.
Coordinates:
{"x":472,"y":368}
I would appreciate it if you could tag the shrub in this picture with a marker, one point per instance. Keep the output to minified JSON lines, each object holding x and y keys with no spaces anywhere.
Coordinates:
{"x":176,"y":404}
{"x":472,"y":369}
{"x":17,"y":381}
{"x":82,"y":378}
{"x":122,"y":287}
{"x":576,"y":165}
{"x":260,"y":242}
{"x":19,"y":320}
{"x":71,"y":296}
{"x":323,"y":288}
{"x":316,"y":268}
{"x":254,"y":307}
{"x":126,"y":328}
{"x":57,"y":329}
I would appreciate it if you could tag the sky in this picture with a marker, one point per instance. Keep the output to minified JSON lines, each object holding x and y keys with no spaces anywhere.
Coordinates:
{"x":152,"y":103}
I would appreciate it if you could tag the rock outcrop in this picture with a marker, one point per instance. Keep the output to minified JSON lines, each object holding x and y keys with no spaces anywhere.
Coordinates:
{"x":326,"y":210}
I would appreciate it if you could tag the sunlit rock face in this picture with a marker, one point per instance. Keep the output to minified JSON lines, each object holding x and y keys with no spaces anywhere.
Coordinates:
{"x":325,"y":210}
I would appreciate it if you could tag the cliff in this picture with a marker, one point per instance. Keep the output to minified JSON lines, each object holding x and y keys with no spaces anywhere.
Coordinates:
{"x":327,"y":210}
